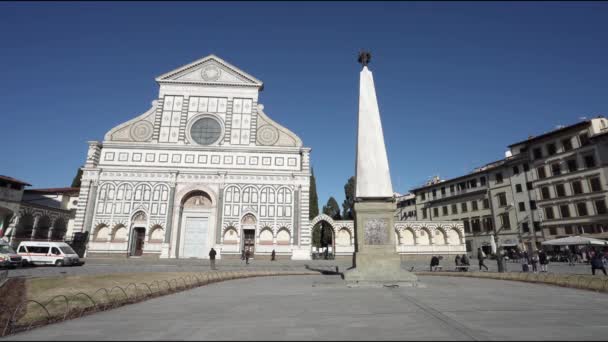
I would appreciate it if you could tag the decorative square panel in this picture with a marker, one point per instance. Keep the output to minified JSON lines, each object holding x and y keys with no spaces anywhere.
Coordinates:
{"x":164,"y":134}
{"x":174,"y":134}
{"x":266,"y":161}
{"x":215,"y":159}
{"x":168,"y":104}
{"x":228,"y":160}
{"x":253,"y":160}
{"x":203,"y":104}
{"x":221,"y":105}
{"x":202,"y":159}
{"x":189,"y":158}
{"x":163,"y":157}
{"x":176,"y":158}
{"x":193,"y":106}
{"x":212,"y":104}
{"x":279,"y":161}
{"x":123,"y":156}
{"x":247,"y":105}
{"x":177,"y":103}
{"x":240,"y":160}
{"x":109,"y":156}
{"x":292,"y":161}
{"x":136,"y":157}
{"x":149,"y":157}
{"x":237,"y":106}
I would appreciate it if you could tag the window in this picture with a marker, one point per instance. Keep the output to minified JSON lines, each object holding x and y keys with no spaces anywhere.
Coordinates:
{"x":452,"y":188}
{"x":555,"y":169}
{"x":567,"y":143}
{"x":568,"y":230}
{"x":38,"y":249}
{"x":549,"y":213}
{"x":475,"y":225}
{"x":600,"y":207}
{"x":529,"y":186}
{"x":423,"y":196}
{"x":445,"y":210}
{"x":473,"y":183}
{"x":434,"y":193}
{"x":525,"y":227}
{"x":424,"y":215}
{"x":55,"y":251}
{"x":526,"y":167}
{"x":435,"y":212}
{"x":582,"y":209}
{"x":560,"y":190}
{"x":532,"y":205}
{"x":22,"y":249}
{"x":544,"y":191}
{"x":454,"y":209}
{"x":486,"y":203}
{"x":541,"y":172}
{"x":564,"y":210}
{"x":577,"y":187}
{"x":482,"y":181}
{"x":488,"y":224}
{"x":467,"y":228}
{"x":572,"y":165}
{"x":518,"y":188}
{"x":474,"y":206}
{"x":538,"y":153}
{"x":522,"y":206}
{"x":206,"y":131}
{"x":502,"y":199}
{"x":498,"y":178}
{"x":515,"y":170}
{"x":463,"y":207}
{"x":589,"y":161}
{"x":584,"y":139}
{"x":552,"y":231}
{"x":462,"y":186}
{"x":506,"y":222}
{"x":551,"y":149}
{"x":595,"y":183}
{"x":443,"y":190}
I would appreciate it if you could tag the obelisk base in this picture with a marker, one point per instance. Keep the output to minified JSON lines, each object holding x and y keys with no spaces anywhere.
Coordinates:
{"x":377,"y":263}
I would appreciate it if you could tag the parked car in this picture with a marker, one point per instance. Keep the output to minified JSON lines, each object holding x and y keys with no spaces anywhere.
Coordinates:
{"x":8,"y":257}
{"x":48,"y":253}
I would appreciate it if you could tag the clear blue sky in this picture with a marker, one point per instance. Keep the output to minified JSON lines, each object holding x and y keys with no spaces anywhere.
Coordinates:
{"x":456,"y":82}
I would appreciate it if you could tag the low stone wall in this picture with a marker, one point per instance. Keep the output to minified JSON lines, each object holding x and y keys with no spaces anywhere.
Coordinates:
{"x":577,"y":281}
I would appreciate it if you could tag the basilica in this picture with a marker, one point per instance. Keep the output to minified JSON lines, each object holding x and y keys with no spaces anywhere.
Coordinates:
{"x":203,"y":167}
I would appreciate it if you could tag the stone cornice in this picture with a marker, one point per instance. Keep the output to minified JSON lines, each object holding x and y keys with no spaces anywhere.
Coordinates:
{"x":198,"y":148}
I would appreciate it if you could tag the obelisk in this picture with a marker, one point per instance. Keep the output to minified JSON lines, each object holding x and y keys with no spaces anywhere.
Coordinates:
{"x":377,"y":262}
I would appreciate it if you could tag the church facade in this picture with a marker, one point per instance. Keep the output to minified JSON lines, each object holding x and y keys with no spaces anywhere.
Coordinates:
{"x":203,"y":167}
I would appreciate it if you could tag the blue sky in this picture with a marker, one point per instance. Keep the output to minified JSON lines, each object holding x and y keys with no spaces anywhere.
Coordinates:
{"x":456,"y":82}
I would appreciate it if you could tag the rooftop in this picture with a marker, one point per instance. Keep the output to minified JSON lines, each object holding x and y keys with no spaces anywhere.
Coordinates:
{"x":13,"y":180}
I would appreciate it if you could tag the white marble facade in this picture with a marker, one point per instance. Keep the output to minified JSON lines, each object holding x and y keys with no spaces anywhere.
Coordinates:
{"x":203,"y":167}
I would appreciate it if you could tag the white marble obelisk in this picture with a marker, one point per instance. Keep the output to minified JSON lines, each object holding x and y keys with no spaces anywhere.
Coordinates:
{"x":376,"y":261}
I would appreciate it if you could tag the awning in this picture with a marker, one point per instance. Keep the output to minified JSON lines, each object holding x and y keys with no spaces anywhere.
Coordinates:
{"x":575,"y":240}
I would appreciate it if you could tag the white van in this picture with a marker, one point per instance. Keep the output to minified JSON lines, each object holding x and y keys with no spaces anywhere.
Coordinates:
{"x":48,"y":253}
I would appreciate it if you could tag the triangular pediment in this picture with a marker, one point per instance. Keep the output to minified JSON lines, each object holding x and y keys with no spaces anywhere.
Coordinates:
{"x":210,"y":70}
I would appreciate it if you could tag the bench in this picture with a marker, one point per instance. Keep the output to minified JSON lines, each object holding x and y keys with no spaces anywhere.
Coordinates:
{"x":437,"y":268}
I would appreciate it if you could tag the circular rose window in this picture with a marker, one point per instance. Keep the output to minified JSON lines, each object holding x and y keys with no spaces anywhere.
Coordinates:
{"x":206,"y":131}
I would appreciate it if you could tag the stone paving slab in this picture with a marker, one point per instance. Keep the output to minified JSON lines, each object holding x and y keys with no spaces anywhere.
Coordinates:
{"x":291,"y":308}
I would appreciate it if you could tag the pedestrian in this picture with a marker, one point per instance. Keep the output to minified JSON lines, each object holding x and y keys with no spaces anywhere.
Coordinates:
{"x":273,"y":255}
{"x":534,"y":262}
{"x":457,"y":261}
{"x":434,"y":263}
{"x":480,"y":257}
{"x":543,"y":260}
{"x":569,"y":256}
{"x":524,"y":262}
{"x":212,"y":254}
{"x":243,"y":254}
{"x":597,"y":264}
{"x":464,"y":261}
{"x":247,"y":255}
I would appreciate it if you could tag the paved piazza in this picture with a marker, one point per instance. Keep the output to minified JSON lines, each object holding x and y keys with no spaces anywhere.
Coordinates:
{"x":321,"y":307}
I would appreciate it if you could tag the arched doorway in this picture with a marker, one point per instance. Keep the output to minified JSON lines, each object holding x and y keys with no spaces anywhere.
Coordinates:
{"x":195,"y":221}
{"x":138,"y":235}
{"x":323,"y":238}
{"x":248,"y":229}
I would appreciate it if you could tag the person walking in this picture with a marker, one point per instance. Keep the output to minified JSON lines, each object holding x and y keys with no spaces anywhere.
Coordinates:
{"x":534,"y":262}
{"x":247,"y":255}
{"x":434,"y":263}
{"x":480,"y":257}
{"x":569,"y":256}
{"x":524,"y":262}
{"x":273,"y":255}
{"x":543,"y":260}
{"x":597,"y":264}
{"x":457,"y":262}
{"x":212,"y":254}
{"x":464,"y":260}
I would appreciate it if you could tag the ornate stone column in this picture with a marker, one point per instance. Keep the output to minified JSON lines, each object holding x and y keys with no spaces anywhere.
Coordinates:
{"x":90,"y":211}
{"x":35,"y":226}
{"x":169,"y":226}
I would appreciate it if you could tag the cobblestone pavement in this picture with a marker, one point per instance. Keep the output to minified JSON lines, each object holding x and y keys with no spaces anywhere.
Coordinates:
{"x":323,"y":308}
{"x":104,"y":266}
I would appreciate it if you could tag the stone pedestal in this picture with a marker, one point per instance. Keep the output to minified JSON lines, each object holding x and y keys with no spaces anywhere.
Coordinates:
{"x":376,"y":261}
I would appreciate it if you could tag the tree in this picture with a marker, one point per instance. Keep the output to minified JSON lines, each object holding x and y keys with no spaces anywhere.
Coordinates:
{"x":332,"y":209}
{"x":348,"y":212}
{"x":313,"y":203}
{"x":76,"y":180}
